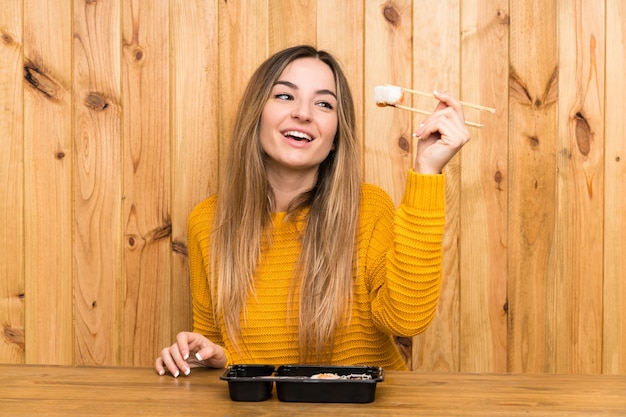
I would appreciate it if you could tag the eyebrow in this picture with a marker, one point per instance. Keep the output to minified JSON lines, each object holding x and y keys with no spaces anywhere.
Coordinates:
{"x":295,"y":87}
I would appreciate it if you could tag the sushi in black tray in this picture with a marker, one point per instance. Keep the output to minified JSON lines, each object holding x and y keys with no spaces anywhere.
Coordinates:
{"x":304,"y":383}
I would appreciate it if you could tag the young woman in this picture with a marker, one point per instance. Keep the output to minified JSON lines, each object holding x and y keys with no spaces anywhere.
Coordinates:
{"x":295,"y":260}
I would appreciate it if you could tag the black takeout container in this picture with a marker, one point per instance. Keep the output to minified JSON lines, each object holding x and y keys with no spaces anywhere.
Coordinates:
{"x":327,"y":390}
{"x":294,"y":383}
{"x":247,"y":382}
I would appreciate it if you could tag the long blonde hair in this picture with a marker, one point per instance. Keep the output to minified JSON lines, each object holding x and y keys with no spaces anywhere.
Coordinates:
{"x":324,"y":269}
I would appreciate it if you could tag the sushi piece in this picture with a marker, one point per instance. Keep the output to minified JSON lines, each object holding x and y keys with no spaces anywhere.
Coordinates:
{"x":388,"y":95}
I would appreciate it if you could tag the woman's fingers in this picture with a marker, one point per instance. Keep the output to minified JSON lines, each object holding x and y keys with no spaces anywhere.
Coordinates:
{"x":441,"y":135}
{"x":211,"y":355}
{"x":190,"y":350}
{"x":172,"y":360}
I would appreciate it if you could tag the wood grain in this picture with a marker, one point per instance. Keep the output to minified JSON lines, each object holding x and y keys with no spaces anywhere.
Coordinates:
{"x":244,"y":45}
{"x":483,"y":193}
{"x":614,"y":303}
{"x":195,"y":136}
{"x":533,"y":95}
{"x":291,"y":22}
{"x":48,"y":177}
{"x":11,"y":185}
{"x":104,"y":391}
{"x":146,"y":217}
{"x":97,"y":182}
{"x":580,"y":188}
{"x":388,"y":59}
{"x":437,"y":38}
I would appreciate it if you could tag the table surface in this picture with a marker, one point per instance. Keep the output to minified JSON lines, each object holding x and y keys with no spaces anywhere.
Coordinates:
{"x":39,"y":390}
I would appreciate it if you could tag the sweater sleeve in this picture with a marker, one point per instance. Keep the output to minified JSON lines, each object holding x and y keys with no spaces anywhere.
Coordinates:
{"x":199,"y":225}
{"x":406,"y":275}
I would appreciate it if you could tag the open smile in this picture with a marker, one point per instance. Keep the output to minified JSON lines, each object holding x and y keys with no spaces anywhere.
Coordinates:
{"x":296,"y":135}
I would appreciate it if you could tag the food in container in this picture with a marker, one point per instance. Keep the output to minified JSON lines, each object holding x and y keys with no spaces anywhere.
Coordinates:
{"x":304,"y":383}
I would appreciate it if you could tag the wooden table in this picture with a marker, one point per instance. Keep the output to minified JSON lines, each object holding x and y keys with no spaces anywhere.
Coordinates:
{"x":29,"y":390}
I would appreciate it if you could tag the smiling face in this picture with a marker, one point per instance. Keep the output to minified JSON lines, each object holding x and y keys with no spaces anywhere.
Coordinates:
{"x":299,"y":120}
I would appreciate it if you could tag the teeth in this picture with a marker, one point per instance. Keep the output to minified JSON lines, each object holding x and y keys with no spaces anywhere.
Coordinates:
{"x":298,"y":135}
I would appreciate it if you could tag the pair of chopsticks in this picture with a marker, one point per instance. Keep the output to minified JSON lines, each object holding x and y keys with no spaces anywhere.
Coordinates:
{"x":432,"y":95}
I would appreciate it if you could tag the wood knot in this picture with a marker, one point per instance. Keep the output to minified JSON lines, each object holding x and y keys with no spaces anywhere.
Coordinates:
{"x":40,"y":81}
{"x":503,"y":17}
{"x":60,"y":155}
{"x":404,"y":144}
{"x":14,"y":336}
{"x":404,"y":341}
{"x":518,"y":90}
{"x":96,"y":101}
{"x":533,"y":141}
{"x":138,"y":53}
{"x":391,"y":14}
{"x":497,"y":177}
{"x":7,"y":39}
{"x":583,"y":134}
{"x":163,"y":231}
{"x":179,"y":247}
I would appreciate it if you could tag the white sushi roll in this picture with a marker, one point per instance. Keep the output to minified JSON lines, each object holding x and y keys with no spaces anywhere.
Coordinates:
{"x":388,"y":94}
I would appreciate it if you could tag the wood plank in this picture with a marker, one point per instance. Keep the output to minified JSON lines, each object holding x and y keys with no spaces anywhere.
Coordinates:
{"x":48,"y":177}
{"x":614,"y":351}
{"x":11,"y":185}
{"x":436,"y":65}
{"x":388,"y":60}
{"x":243,"y":40}
{"x":97,"y":182}
{"x":120,"y":391}
{"x":146,"y":218}
{"x":387,"y":153}
{"x":292,"y":22}
{"x":196,"y":138}
{"x":580,"y":190}
{"x":533,"y":94}
{"x":483,"y":203}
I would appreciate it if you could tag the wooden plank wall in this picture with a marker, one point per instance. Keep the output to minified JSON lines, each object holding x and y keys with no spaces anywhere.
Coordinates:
{"x":113,"y":117}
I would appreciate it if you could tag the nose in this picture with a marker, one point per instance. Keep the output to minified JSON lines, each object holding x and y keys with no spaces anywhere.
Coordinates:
{"x":301,"y":110}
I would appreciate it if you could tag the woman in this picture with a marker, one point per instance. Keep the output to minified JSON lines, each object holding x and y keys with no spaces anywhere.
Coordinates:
{"x":295,"y":260}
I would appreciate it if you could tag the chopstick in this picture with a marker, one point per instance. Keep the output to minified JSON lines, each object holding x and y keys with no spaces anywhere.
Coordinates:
{"x":427,"y":113}
{"x":463,"y":103}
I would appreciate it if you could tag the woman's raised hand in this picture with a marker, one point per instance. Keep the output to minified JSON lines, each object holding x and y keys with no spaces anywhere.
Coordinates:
{"x":441,"y":135}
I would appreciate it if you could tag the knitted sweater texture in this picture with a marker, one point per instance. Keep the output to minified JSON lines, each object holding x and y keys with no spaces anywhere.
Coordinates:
{"x":397,"y":280}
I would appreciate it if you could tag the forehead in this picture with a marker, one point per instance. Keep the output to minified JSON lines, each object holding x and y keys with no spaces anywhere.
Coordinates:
{"x":309,"y":71}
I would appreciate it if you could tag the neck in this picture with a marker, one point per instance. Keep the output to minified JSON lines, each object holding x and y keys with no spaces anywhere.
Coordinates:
{"x":286,"y":187}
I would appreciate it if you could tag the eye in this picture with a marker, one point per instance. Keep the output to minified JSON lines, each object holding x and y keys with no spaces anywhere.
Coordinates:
{"x":283,"y":96}
{"x":325,"y":105}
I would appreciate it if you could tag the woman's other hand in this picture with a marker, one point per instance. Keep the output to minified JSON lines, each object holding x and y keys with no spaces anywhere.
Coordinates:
{"x":191,"y":350}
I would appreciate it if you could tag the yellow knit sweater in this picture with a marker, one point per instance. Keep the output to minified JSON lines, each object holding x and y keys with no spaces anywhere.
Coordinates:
{"x":396,"y":285}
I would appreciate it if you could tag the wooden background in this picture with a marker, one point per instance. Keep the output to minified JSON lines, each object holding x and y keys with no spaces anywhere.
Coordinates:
{"x":113,"y":116}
